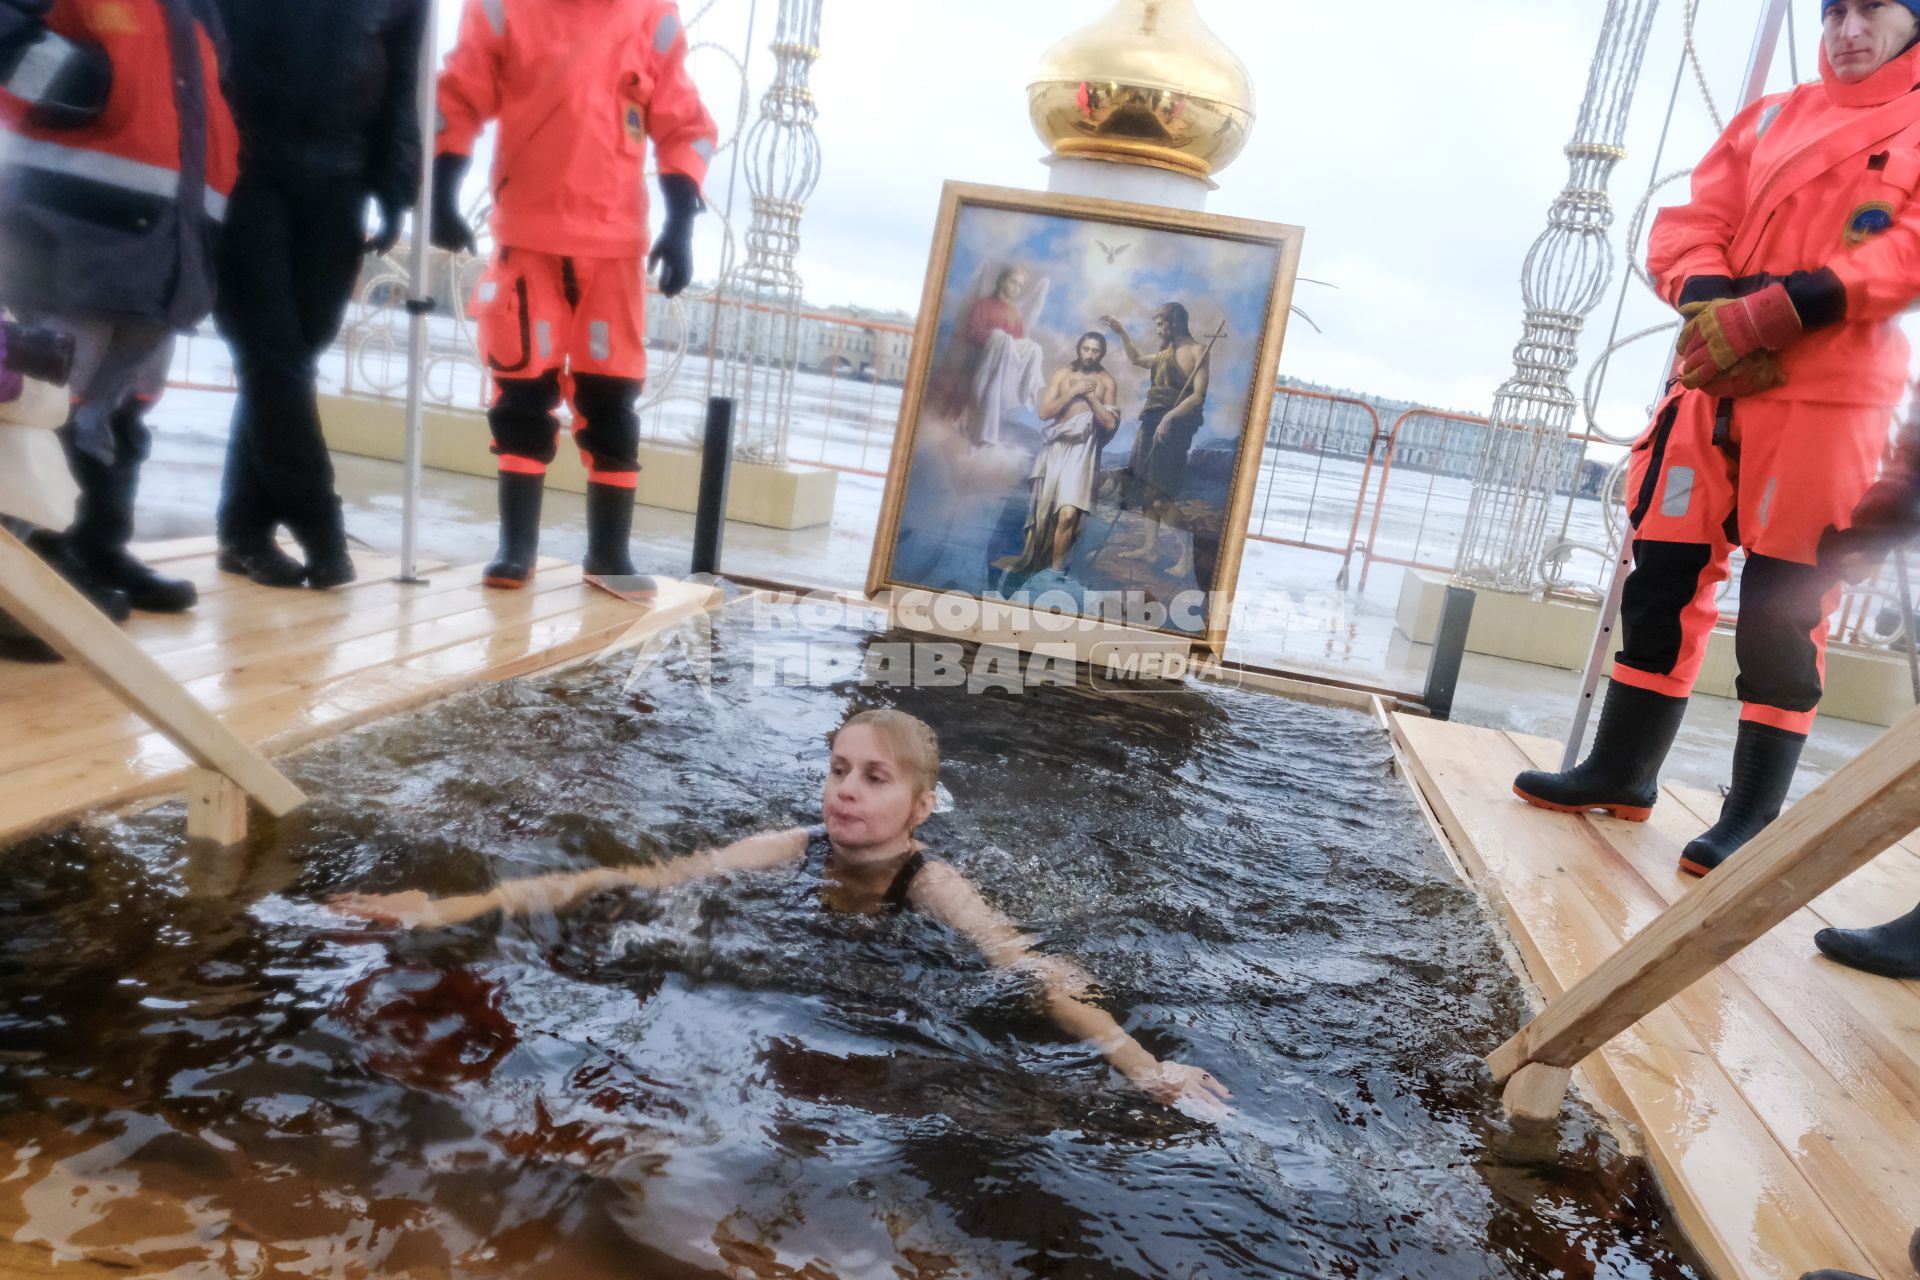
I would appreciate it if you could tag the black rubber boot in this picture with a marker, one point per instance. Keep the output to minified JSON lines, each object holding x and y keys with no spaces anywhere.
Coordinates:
{"x":52,"y":548}
{"x":1891,"y":950}
{"x":609,"y":531}
{"x":103,"y":521}
{"x":1834,"y":1275}
{"x":262,"y":560}
{"x":1621,"y":775}
{"x":323,"y":537}
{"x":610,"y":542}
{"x":17,"y":644}
{"x":1764,"y":759}
{"x":519,"y":531}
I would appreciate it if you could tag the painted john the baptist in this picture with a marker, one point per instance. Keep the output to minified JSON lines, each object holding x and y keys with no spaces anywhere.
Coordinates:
{"x":1077,"y":417}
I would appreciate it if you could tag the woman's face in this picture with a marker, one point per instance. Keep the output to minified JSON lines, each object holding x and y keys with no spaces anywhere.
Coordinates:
{"x":869,"y":801}
{"x":1861,"y":36}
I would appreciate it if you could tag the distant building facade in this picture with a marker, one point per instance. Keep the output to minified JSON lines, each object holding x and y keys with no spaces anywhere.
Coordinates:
{"x":1307,"y":423}
{"x":847,"y":341}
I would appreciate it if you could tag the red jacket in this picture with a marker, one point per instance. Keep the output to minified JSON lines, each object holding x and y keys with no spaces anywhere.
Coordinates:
{"x":578,"y":86}
{"x":120,"y":214}
{"x":1820,"y":176}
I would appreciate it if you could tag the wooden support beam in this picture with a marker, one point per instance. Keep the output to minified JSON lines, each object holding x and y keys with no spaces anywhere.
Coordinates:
{"x":216,"y":808}
{"x":48,"y":606}
{"x":1536,"y":1092}
{"x":1846,"y":822}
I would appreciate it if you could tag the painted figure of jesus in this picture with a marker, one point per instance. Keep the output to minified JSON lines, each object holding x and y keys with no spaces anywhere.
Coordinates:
{"x":1078,"y":407}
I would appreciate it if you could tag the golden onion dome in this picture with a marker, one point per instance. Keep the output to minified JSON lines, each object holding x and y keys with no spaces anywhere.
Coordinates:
{"x":1149,"y":83}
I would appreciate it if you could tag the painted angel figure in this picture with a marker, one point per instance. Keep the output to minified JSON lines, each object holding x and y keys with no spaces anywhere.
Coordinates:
{"x":992,"y":369}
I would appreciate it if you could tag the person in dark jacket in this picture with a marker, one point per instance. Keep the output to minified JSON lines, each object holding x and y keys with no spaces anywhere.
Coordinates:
{"x":323,"y":92}
{"x":115,"y":168}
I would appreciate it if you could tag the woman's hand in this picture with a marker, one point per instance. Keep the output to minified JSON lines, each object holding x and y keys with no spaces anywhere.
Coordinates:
{"x":410,"y":909}
{"x":1172,"y":1083}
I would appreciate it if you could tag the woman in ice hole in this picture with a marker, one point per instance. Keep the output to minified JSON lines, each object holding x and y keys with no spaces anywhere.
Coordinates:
{"x":880,"y":787}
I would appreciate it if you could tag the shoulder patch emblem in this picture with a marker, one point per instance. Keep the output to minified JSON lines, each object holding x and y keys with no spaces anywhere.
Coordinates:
{"x":1868,"y":221}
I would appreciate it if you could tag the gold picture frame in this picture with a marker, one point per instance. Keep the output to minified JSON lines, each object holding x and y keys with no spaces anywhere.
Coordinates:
{"x":990,"y":497}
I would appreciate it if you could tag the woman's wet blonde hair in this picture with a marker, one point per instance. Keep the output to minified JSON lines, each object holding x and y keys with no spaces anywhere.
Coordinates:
{"x":915,"y":746}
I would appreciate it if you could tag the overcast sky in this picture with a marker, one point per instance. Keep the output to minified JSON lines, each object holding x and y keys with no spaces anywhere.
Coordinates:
{"x":1419,"y":145}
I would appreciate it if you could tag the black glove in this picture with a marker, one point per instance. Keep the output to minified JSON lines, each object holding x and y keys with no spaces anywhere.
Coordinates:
{"x":673,"y":251}
{"x":1888,"y":516}
{"x":386,"y":232}
{"x":449,"y":229}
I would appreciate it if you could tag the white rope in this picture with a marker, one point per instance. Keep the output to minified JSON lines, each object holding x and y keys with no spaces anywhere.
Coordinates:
{"x":1699,"y":73}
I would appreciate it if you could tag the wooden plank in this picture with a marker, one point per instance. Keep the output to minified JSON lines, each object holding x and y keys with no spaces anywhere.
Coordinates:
{"x":1742,"y":1200}
{"x":1838,"y":1095}
{"x":1240,"y":676}
{"x":206,"y":626}
{"x":1881,"y":1014}
{"x":43,"y":601}
{"x":1844,"y":823}
{"x":297,"y":669}
{"x":240,"y":657}
{"x":57,"y":791}
{"x":200,"y":546}
{"x":1866,"y":1030}
{"x":225,"y":593}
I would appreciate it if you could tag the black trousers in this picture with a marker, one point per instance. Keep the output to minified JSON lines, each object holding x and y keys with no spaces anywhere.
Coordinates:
{"x":289,"y":257}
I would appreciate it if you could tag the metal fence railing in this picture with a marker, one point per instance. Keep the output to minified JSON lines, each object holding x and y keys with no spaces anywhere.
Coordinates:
{"x":1333,"y":479}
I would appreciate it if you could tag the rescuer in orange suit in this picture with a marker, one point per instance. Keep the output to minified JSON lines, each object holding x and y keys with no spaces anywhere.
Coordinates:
{"x":579,"y":86}
{"x":115,"y":169}
{"x":1790,"y":263}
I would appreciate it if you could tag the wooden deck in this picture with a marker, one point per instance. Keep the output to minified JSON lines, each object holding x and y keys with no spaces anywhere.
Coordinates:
{"x":285,"y":667}
{"x":1779,"y":1098}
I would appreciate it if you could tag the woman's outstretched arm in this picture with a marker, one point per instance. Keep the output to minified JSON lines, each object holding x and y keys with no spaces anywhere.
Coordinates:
{"x":552,"y":893}
{"x":948,"y":896}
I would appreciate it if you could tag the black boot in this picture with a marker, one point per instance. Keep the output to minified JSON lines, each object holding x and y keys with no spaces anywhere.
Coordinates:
{"x":262,"y":560}
{"x":323,"y":536}
{"x":52,"y":548}
{"x":1891,"y":950}
{"x":1764,"y":759}
{"x":1833,"y":1275}
{"x":1621,"y":775}
{"x":609,"y":541}
{"x":17,"y":644}
{"x":519,"y":530}
{"x":103,"y":521}
{"x":245,"y":520}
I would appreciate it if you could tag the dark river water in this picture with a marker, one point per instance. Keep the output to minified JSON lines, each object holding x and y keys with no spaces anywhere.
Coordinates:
{"x":203,"y":1072}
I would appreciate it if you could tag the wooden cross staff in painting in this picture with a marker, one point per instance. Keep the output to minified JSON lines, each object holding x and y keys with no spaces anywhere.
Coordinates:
{"x":1084,"y":414}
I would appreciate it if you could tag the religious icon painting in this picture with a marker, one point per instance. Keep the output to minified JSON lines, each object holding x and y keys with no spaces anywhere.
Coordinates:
{"x":1084,"y":414}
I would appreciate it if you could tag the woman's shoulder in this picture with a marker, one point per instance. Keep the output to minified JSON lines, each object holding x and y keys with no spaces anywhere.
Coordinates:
{"x":936,"y":875}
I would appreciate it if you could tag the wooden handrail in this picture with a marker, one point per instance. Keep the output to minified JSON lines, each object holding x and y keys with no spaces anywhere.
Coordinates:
{"x":1843,"y":824}
{"x":48,"y":606}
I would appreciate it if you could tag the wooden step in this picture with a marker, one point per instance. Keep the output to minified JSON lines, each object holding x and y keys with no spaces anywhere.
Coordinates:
{"x":1749,"y":1203}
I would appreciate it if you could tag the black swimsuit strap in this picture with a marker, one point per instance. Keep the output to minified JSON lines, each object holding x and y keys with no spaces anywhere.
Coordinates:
{"x":820,"y":849}
{"x":896,"y":895}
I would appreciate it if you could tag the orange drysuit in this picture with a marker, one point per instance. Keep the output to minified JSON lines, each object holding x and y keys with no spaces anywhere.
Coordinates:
{"x":578,"y":86}
{"x":1818,"y":177}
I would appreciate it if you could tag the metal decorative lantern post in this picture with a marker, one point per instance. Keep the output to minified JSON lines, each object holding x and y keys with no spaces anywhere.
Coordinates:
{"x":757,"y":323}
{"x":1526,"y":456}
